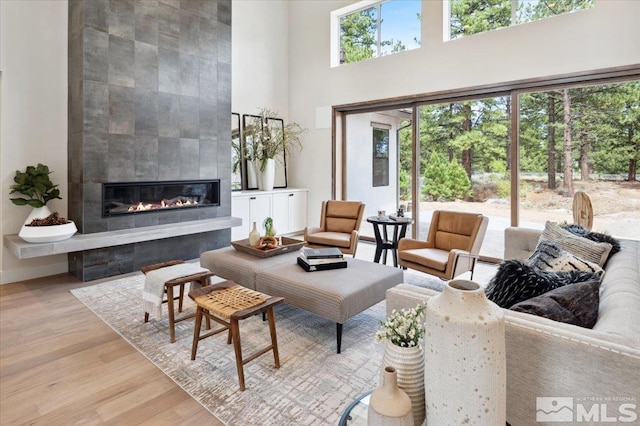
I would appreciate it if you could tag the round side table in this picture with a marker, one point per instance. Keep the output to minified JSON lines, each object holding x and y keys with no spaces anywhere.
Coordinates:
{"x":383,"y":242}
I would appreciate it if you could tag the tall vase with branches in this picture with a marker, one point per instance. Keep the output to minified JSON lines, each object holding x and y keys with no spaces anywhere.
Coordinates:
{"x":264,"y":143}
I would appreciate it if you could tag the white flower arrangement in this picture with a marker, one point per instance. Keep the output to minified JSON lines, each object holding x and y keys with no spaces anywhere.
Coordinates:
{"x":404,"y":328}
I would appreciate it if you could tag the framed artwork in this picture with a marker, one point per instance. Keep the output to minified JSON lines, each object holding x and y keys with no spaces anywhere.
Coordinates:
{"x":237,"y":164}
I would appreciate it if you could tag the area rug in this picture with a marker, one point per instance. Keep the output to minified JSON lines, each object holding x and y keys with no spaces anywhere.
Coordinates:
{"x":313,"y":386}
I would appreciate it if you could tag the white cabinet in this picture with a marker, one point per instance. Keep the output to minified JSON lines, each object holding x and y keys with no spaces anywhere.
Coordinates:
{"x":290,"y":211}
{"x":250,"y":208}
{"x":287,"y":208}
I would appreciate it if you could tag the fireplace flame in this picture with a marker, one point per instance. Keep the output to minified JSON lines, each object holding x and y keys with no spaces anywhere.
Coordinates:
{"x":163,"y":204}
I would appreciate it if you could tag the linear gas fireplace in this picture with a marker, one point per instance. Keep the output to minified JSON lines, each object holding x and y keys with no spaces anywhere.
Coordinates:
{"x":145,"y":197}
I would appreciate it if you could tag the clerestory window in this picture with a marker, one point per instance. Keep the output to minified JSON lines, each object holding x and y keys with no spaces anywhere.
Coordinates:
{"x":369,"y":29}
{"x":467,"y":17}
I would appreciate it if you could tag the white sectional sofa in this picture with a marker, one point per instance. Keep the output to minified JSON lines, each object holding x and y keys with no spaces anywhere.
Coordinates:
{"x":546,"y":358}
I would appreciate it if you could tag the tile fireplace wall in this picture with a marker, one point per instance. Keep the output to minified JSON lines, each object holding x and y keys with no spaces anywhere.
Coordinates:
{"x":149,"y":100}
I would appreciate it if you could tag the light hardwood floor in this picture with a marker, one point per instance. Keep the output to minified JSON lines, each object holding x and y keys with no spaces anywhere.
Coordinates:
{"x":61,"y":365}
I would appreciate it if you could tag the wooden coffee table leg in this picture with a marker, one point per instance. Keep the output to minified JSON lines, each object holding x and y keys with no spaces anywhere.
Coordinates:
{"x":235,"y":332}
{"x":196,"y":333}
{"x":172,"y":329}
{"x":274,"y":339}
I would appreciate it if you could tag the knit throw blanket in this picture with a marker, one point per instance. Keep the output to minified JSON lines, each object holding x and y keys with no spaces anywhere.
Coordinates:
{"x":153,"y":292}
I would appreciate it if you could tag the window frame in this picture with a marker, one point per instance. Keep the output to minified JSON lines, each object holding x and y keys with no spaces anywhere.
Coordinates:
{"x":377,"y":160}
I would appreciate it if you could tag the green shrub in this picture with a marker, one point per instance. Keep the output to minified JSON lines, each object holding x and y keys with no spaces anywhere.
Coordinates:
{"x":445,"y":181}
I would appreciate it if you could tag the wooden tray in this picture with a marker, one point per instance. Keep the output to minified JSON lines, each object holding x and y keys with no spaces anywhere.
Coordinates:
{"x":288,"y":245}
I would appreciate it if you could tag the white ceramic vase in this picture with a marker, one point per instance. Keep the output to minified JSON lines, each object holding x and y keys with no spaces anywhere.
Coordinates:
{"x":409,"y":364}
{"x":252,"y":175}
{"x":389,"y":405}
{"x":254,"y":236}
{"x":268,"y":175}
{"x":464,"y":351}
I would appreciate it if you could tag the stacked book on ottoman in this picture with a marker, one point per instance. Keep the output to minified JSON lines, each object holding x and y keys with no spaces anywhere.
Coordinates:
{"x":321,"y":259}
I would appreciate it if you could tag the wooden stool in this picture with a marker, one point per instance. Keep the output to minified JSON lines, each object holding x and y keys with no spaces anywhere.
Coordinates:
{"x":226,"y":303}
{"x":202,"y":277}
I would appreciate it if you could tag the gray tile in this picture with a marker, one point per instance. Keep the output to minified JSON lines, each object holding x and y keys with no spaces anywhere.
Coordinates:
{"x":224,"y":122}
{"x":96,"y":152}
{"x":169,"y":43}
{"x":117,"y":223}
{"x":189,"y":117}
{"x":208,"y":39}
{"x":224,"y":81}
{"x":146,"y":66}
{"x":75,"y":16}
{"x":169,"y":21}
{"x":96,"y":14}
{"x":189,"y":75}
{"x":208,"y":80}
{"x":92,"y":196}
{"x":209,"y":120}
{"x":96,"y":106}
{"x":145,"y":254}
{"x":74,"y":206}
{"x":224,"y":11}
{"x":172,"y":3}
{"x":168,"y":71}
{"x":192,"y":6}
{"x":75,"y":109}
{"x":96,"y":55}
{"x":208,"y":159}
{"x":189,"y":30}
{"x":146,"y":219}
{"x":146,"y":153}
{"x":209,"y":9}
{"x":122,"y":18}
{"x":223,"y":36}
{"x":75,"y":56}
{"x":75,"y":160}
{"x":172,"y":216}
{"x":122,"y":110}
{"x":168,"y":155}
{"x":121,"y":158}
{"x":189,"y":158}
{"x":146,"y":18}
{"x":146,"y":112}
{"x":121,"y":61}
{"x":168,"y":115}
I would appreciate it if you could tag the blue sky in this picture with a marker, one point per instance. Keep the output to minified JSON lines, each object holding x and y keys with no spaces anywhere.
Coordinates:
{"x":400,"y":22}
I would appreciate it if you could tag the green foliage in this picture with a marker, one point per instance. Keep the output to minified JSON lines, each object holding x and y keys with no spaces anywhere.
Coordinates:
{"x":268,"y":226}
{"x":445,"y":180}
{"x":35,"y":185}
{"x":477,"y":16}
{"x":404,"y":183}
{"x":358,"y":35}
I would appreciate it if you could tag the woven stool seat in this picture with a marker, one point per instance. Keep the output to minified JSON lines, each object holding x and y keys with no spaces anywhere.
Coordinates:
{"x":227,"y":303}
{"x":230,"y":300}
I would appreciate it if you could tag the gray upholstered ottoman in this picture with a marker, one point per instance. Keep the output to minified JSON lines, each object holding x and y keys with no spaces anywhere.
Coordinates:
{"x":336,"y":294}
{"x":240,"y":267}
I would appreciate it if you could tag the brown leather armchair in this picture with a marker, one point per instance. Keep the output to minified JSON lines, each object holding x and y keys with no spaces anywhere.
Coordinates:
{"x":339,"y":226}
{"x":452,"y":246}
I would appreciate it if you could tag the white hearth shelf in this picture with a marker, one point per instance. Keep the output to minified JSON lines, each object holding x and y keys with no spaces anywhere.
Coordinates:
{"x":81,"y":242}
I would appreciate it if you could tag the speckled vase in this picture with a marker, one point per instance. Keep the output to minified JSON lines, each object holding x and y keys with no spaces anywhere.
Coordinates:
{"x":389,"y":405}
{"x":465,"y":364}
{"x":409,"y":364}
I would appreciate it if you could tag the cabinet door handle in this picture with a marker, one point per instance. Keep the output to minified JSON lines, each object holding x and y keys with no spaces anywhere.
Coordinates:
{"x":291,"y":195}
{"x":252,"y":198}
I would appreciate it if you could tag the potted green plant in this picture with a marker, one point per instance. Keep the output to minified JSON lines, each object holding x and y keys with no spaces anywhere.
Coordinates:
{"x":37,"y":190}
{"x":264,"y":143}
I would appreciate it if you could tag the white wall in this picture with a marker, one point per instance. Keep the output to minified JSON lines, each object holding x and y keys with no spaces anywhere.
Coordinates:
{"x":605,"y":36}
{"x":33,"y":123}
{"x":360,"y":163}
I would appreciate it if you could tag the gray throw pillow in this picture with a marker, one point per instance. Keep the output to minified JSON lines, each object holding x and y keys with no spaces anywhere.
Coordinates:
{"x":551,"y":257}
{"x":575,"y":304}
{"x":583,"y":248}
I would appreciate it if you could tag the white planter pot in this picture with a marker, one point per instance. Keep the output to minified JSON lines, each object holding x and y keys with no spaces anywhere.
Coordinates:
{"x":252,"y":176}
{"x":268,"y":175}
{"x":47,"y":234}
{"x":38,"y":213}
{"x":409,"y":364}
{"x":464,"y":352}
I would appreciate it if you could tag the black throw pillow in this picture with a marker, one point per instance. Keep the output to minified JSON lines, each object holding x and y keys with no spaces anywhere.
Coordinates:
{"x":594,"y":236}
{"x":516,"y":281}
{"x":575,"y":304}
